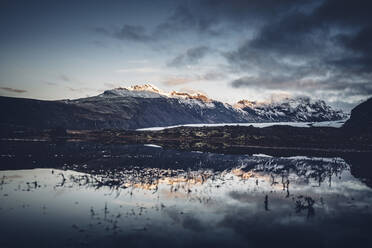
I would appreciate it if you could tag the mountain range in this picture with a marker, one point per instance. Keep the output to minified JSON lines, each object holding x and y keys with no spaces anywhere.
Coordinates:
{"x":145,"y":105}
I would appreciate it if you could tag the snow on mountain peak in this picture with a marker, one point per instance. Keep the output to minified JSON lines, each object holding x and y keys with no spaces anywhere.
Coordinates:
{"x":145,"y":91}
{"x":196,"y":95}
{"x":299,"y":108}
{"x":144,"y":87}
{"x":290,"y":102}
{"x":151,"y":91}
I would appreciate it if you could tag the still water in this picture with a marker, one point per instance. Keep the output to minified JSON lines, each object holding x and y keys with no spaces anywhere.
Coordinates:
{"x":95,"y":195}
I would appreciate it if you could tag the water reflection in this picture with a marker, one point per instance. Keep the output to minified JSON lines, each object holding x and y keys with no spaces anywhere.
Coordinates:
{"x":145,"y":196}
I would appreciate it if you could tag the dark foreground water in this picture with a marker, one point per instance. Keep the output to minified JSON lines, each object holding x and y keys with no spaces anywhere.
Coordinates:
{"x":94,"y":195}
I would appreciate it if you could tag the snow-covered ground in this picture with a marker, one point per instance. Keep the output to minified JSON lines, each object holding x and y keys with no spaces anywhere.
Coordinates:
{"x":338,"y":123}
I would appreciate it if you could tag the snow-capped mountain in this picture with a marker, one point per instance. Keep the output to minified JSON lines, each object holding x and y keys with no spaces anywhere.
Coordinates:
{"x":144,"y":106}
{"x":150,"y":91}
{"x":145,"y":91}
{"x":292,"y":109}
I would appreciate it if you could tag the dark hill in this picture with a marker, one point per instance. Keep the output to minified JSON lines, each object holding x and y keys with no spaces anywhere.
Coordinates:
{"x":361,"y":117}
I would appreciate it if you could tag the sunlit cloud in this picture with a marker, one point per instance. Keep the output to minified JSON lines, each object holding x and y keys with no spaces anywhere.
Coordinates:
{"x":177,"y":81}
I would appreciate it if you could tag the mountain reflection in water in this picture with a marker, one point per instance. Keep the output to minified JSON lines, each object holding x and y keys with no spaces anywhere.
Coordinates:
{"x":94,"y":195}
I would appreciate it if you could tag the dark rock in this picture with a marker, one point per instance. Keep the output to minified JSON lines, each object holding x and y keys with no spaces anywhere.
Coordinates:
{"x":361,"y":117}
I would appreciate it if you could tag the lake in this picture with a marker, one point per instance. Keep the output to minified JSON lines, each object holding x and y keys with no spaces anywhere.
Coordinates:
{"x":73,"y":194}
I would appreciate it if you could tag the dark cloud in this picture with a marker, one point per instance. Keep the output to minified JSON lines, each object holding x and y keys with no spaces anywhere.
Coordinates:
{"x":181,"y":19}
{"x":292,"y":35}
{"x":344,"y":12}
{"x":215,"y":17}
{"x":274,"y":82}
{"x":253,"y":10}
{"x":301,"y":33}
{"x":208,"y":17}
{"x":344,"y":85}
{"x":360,"y":46}
{"x":13,"y":90}
{"x":292,"y":45}
{"x":325,"y":48}
{"x":188,"y":18}
{"x":190,"y":57}
{"x":361,"y":41}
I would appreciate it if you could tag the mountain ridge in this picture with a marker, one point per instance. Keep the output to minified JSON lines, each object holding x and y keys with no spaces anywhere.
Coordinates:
{"x":142,"y":106}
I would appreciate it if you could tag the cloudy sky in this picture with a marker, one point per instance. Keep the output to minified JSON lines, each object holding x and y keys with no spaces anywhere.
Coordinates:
{"x":231,"y":50}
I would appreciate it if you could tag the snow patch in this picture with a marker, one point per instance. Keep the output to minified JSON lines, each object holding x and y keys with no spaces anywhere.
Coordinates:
{"x":152,"y":145}
{"x":335,"y":124}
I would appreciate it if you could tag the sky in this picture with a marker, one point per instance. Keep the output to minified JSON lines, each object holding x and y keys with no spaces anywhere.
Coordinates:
{"x":230,"y":50}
